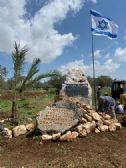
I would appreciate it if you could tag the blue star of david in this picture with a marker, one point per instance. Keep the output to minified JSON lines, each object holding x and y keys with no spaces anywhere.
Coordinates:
{"x":102,"y":24}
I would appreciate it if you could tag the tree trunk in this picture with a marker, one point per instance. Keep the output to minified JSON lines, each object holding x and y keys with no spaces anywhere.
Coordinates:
{"x":14,"y":114}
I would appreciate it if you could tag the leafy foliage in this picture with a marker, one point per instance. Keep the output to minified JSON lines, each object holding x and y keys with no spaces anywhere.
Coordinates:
{"x":56,"y":80}
{"x":103,"y":81}
{"x":20,"y":82}
{"x":3,"y":74}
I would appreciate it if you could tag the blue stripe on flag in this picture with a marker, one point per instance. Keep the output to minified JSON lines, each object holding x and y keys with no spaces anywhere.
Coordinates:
{"x":104,"y":33}
{"x":96,"y":14}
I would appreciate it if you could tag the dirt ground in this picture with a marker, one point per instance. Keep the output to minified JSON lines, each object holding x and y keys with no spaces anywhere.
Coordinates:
{"x":106,"y":150}
{"x":9,"y":95}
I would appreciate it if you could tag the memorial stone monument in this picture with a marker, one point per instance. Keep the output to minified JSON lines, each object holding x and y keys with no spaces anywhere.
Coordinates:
{"x":58,"y":118}
{"x":77,"y":85}
{"x":63,"y":114}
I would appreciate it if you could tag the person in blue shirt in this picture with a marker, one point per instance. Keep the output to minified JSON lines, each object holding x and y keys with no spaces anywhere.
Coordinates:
{"x":107,"y":105}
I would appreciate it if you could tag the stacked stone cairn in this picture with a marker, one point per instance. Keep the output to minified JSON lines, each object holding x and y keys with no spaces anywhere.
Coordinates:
{"x":89,"y":122}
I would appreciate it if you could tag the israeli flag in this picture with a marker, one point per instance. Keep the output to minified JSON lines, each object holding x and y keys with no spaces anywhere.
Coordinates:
{"x":102,"y":25}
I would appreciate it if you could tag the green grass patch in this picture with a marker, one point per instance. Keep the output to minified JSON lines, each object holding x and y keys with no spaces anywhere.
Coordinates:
{"x":27,"y":107}
{"x":5,"y":105}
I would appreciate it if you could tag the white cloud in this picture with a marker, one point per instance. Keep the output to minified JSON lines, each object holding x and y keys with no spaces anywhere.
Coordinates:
{"x":94,"y":1}
{"x":120,"y":54}
{"x":39,"y":33}
{"x":77,"y":64}
{"x":125,"y":35}
{"x":97,"y":54}
{"x":107,"y":56}
{"x":107,"y":68}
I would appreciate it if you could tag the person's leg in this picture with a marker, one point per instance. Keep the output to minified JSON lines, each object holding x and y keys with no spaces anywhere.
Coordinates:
{"x":113,"y":114}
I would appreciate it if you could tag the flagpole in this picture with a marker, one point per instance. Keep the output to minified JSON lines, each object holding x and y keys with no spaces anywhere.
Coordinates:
{"x":94,"y":84}
{"x":100,"y":25}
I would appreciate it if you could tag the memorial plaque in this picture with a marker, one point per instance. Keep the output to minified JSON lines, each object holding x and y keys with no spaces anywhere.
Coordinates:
{"x":54,"y":119}
{"x":77,"y":90}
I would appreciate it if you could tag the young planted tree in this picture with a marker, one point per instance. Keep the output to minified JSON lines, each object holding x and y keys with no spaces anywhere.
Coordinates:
{"x":18,"y":57}
{"x":19,"y":83}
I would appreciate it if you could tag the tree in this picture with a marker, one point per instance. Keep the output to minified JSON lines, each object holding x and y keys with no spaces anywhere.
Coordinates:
{"x":104,"y":81}
{"x":3,"y":74}
{"x":56,"y":80}
{"x":90,"y":80}
{"x":20,"y":82}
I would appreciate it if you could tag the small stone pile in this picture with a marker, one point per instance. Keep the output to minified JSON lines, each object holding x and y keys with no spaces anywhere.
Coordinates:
{"x":90,"y":121}
{"x":17,"y":131}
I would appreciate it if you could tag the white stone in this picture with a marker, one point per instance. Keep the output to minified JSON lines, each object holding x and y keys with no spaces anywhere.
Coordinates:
{"x":87,"y":117}
{"x":82,"y":133}
{"x":29,"y":119}
{"x":118,"y":126}
{"x":83,"y":120}
{"x":97,"y":130}
{"x":103,"y":128}
{"x":99,"y":123}
{"x":114,"y":121}
{"x":56,"y":136}
{"x":115,"y":126}
{"x":89,"y":126}
{"x":7,"y":133}
{"x":79,"y":127}
{"x":69,"y":136}
{"x":84,"y":111}
{"x":19,"y":130}
{"x":92,"y":126}
{"x":2,"y":121}
{"x":74,"y":135}
{"x":46,"y":137}
{"x":106,"y":122}
{"x":88,"y":107}
{"x":112,"y":128}
{"x":30,"y":127}
{"x":83,"y":105}
{"x":106,"y":117}
{"x":96,"y":116}
{"x":66,"y":136}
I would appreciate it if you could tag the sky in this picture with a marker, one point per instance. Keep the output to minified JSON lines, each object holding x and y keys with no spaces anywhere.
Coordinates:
{"x":59,"y":33}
